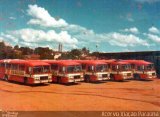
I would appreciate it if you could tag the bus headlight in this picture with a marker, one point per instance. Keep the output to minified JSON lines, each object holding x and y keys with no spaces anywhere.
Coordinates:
{"x":99,"y":75}
{"x":36,"y":78}
{"x":71,"y":77}
{"x":50,"y":76}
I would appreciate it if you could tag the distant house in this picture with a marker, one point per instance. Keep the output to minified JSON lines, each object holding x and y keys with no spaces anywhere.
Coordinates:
{"x":57,"y":55}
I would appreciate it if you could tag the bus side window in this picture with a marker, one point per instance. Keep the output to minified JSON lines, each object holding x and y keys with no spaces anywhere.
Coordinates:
{"x":8,"y":66}
{"x":14,"y":67}
{"x":90,"y":68}
{"x":83,"y":66}
{"x":139,"y":68}
{"x":28,"y":70}
{"x":113,"y":67}
{"x":21,"y":67}
{"x":60,"y":69}
{"x":54,"y":67}
{"x":2,"y":65}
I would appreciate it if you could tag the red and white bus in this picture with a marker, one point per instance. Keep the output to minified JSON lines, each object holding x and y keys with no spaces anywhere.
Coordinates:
{"x":95,"y":70}
{"x":65,"y":71}
{"x":25,"y":71}
{"x":120,"y":70}
{"x":142,"y":69}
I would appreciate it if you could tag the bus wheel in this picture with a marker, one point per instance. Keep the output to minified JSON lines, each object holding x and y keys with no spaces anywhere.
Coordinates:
{"x":112,"y":77}
{"x":137,"y":77}
{"x":87,"y":78}
{"x":6,"y":77}
{"x":25,"y":80}
{"x":59,"y":80}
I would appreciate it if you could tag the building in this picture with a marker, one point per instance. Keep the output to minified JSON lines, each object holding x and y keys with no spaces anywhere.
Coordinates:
{"x":152,"y":56}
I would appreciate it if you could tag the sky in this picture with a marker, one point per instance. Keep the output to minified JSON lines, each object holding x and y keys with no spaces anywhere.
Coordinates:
{"x":99,"y":25}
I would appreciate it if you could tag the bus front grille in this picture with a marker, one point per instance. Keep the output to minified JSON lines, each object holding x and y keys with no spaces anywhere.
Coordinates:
{"x":104,"y":75}
{"x":44,"y":78}
{"x":153,"y":74}
{"x":128,"y":74}
{"x":77,"y":77}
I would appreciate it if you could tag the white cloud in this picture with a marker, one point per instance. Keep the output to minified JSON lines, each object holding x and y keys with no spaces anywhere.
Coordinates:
{"x":114,"y":39}
{"x":148,"y":1}
{"x":130,"y":19}
{"x":154,"y":38}
{"x":29,"y":37}
{"x":131,"y":30}
{"x":122,"y":40}
{"x":76,"y":29}
{"x":70,"y":35}
{"x":153,"y":30}
{"x":12,"y":18}
{"x":43,"y":18}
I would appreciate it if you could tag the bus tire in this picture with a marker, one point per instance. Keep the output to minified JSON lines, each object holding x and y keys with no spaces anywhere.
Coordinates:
{"x":6,"y":77}
{"x":112,"y":77}
{"x":25,"y":80}
{"x":59,"y":80}
{"x":87,"y":78}
{"x":137,"y":77}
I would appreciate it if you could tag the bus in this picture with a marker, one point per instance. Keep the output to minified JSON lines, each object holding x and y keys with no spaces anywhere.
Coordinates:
{"x":25,"y":71}
{"x":65,"y":71}
{"x":142,"y":69}
{"x":120,"y":70}
{"x":95,"y":70}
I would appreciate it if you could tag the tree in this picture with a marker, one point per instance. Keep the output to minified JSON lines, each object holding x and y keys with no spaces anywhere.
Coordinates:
{"x":16,"y":47}
{"x":26,"y":50}
{"x":85,"y":51}
{"x":76,"y":53}
{"x":45,"y":53}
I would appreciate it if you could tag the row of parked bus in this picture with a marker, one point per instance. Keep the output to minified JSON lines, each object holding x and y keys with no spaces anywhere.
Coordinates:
{"x":72,"y":71}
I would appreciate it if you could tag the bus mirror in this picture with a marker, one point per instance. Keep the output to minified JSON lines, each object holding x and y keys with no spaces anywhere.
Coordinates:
{"x":63,"y":69}
{"x":30,"y":70}
{"x":116,"y":66}
{"x":143,"y":67}
{"x":92,"y":68}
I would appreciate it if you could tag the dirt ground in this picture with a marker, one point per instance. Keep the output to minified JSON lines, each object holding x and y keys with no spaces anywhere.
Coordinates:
{"x":106,"y":96}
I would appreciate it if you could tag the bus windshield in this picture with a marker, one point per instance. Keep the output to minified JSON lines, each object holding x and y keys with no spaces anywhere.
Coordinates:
{"x":149,"y":67}
{"x":101,"y":68}
{"x":74,"y":68}
{"x":41,"y":69}
{"x":125,"y":67}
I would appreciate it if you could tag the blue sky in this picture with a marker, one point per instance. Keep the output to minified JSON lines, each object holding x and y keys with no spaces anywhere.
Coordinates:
{"x":112,"y":25}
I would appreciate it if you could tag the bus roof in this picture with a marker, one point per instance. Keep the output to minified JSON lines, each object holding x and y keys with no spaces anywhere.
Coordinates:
{"x":92,"y":62}
{"x":138,"y":62}
{"x":119,"y":63}
{"x":62,"y":62}
{"x":26,"y":62}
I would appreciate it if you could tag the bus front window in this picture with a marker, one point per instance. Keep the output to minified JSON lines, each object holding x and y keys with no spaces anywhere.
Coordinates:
{"x":149,"y":67}
{"x":71,"y":69}
{"x":78,"y":68}
{"x":37,"y":69}
{"x":125,"y":67}
{"x":46,"y":69}
{"x":140,"y":68}
{"x":101,"y":68}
